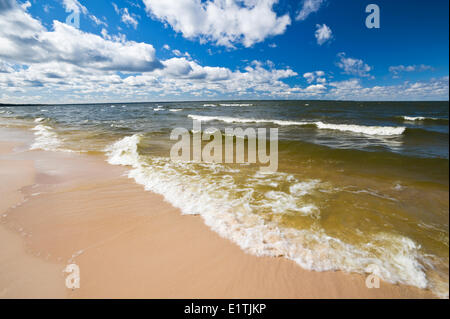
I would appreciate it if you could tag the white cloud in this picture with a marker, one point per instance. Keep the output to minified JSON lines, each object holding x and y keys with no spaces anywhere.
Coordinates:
{"x":128,"y":19}
{"x":74,"y":6}
{"x":177,"y":52}
{"x":180,"y":54}
{"x":66,"y":65}
{"x":6,"y":5}
{"x":26,"y":5}
{"x":223,"y":22}
{"x":79,"y":66}
{"x":66,"y":44}
{"x":116,"y":8}
{"x":97,"y":21}
{"x":409,"y":68}
{"x":323,"y":33}
{"x":77,"y":7}
{"x":435,"y":89}
{"x":353,"y":66}
{"x":5,"y":67}
{"x":308,"y":7}
{"x":316,"y":76}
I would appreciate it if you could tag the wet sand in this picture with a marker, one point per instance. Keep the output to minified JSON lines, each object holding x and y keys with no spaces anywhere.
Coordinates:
{"x":61,"y":208}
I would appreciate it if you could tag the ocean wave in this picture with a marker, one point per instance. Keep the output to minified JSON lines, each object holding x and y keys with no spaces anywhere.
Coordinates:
{"x":418,"y":118}
{"x":45,"y":137}
{"x":236,"y":104}
{"x":175,"y":110}
{"x":363,"y":129}
{"x":368,"y":130}
{"x":233,"y":210}
{"x":423,"y":119}
{"x":210,"y":105}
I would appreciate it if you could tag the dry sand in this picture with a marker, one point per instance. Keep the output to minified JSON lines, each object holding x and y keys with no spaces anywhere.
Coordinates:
{"x":61,"y":208}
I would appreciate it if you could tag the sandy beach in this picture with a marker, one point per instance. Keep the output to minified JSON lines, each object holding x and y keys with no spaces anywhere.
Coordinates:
{"x":59,"y":208}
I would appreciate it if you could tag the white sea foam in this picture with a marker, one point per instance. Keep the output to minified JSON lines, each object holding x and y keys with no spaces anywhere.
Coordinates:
{"x":236,"y":104}
{"x":233,"y":210}
{"x":369,"y":130}
{"x":210,"y":105}
{"x":5,"y":112}
{"x":362,"y":129}
{"x":419,"y":118}
{"x":45,"y":138}
{"x":303,"y":188}
{"x":227,"y":119}
{"x":175,"y":110}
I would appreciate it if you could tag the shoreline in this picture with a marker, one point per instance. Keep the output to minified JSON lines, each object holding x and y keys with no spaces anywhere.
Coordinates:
{"x":130,"y":243}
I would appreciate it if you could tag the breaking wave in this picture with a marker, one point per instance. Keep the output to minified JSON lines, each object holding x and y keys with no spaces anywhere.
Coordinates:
{"x":236,"y":210}
{"x":363,"y":129}
{"x":45,"y":137}
{"x":423,"y":119}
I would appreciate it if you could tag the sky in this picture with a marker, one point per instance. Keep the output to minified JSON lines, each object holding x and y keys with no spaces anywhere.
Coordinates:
{"x":79,"y":51}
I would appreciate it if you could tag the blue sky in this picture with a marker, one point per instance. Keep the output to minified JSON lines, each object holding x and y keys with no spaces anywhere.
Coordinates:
{"x":160,"y":50}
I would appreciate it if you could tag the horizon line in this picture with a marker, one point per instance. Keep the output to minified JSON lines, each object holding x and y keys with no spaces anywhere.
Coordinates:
{"x":243,"y":100}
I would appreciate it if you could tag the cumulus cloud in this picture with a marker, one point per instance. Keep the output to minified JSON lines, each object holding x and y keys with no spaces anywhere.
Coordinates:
{"x":323,"y":34}
{"x":409,"y":68}
{"x":66,"y":44}
{"x":126,"y":17}
{"x":77,"y":7}
{"x":97,"y":21}
{"x":434,"y":89}
{"x":74,"y":6}
{"x":223,"y":22}
{"x":26,"y":5}
{"x":178,"y":53}
{"x":308,"y":7}
{"x":67,"y":65}
{"x":316,"y":76}
{"x":353,"y":66}
{"x":6,"y":5}
{"x":5,"y":67}
{"x":79,"y":66}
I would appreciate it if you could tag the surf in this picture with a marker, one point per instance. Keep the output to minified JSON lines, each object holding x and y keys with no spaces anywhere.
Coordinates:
{"x":368,"y":130}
